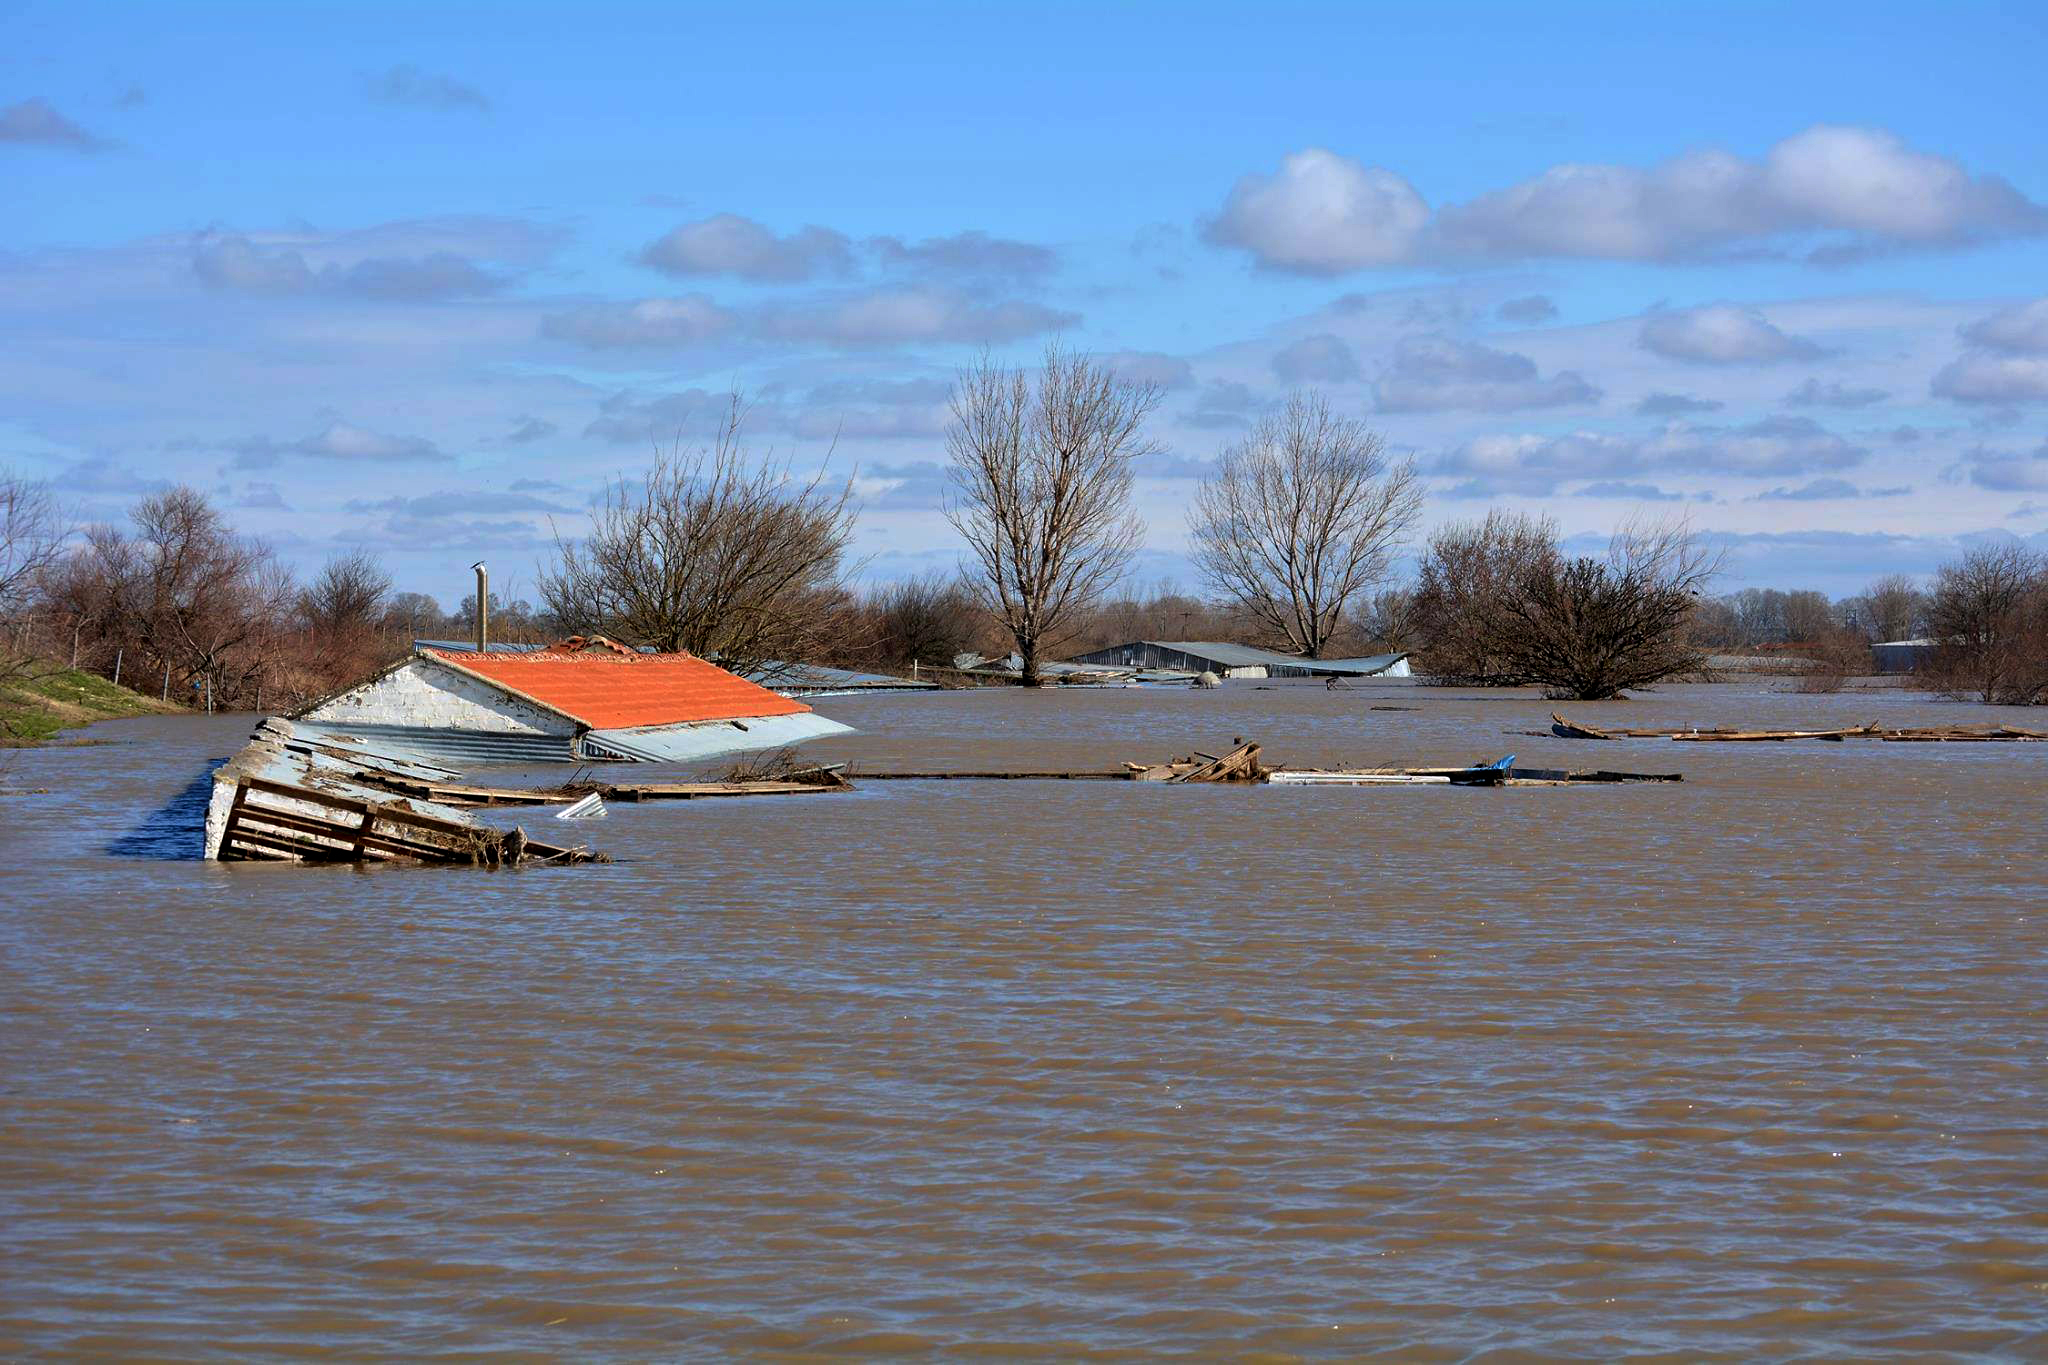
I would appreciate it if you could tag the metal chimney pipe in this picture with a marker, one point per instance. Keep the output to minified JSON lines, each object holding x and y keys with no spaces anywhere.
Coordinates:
{"x":483,"y":606}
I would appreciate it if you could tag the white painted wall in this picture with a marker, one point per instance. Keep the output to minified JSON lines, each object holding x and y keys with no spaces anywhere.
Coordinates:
{"x":217,"y":814}
{"x":424,"y":692}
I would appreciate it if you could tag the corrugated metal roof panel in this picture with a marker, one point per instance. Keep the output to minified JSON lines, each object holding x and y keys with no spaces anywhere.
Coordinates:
{"x":1363,"y":667}
{"x":432,"y":744}
{"x":681,"y":743}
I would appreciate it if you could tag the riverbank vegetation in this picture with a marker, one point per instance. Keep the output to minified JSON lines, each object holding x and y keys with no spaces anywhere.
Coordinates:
{"x":42,"y":699}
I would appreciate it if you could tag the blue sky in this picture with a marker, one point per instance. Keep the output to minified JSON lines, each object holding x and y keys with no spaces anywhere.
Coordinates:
{"x":420,"y":277}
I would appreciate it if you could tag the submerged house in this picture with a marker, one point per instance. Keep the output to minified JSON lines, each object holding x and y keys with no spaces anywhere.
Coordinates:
{"x":1240,"y":661}
{"x":579,"y":700}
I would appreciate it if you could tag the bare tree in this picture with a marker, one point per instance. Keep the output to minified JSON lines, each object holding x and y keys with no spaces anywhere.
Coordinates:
{"x":343,"y":610}
{"x":1390,"y":621}
{"x":709,"y":553}
{"x":1809,"y":616}
{"x":1989,"y":616}
{"x":926,"y":620}
{"x":1893,"y":608}
{"x":348,"y":597}
{"x":1589,"y":628}
{"x":1302,"y":517}
{"x":1042,"y":490}
{"x":1467,"y":567}
{"x":31,"y":546}
{"x":412,"y":614}
{"x":194,"y":596}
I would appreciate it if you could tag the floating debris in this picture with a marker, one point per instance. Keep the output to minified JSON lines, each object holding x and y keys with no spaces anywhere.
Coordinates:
{"x":1934,"y":734}
{"x":589,"y":807}
{"x":1241,"y":765}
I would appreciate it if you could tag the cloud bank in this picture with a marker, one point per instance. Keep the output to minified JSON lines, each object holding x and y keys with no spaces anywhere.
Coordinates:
{"x":1831,"y":193}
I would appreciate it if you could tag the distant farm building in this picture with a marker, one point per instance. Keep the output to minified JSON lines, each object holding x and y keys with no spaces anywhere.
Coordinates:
{"x":1240,"y":661}
{"x":581,"y":699}
{"x":1901,"y":656}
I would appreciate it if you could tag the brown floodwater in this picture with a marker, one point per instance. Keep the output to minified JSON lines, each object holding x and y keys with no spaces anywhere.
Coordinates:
{"x":1753,"y":1065}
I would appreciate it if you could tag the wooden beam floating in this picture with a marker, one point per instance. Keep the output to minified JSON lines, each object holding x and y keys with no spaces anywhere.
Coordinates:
{"x":1936,"y":734}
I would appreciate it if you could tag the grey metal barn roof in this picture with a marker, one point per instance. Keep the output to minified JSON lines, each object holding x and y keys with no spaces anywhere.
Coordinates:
{"x":1227,"y":655}
{"x":817,"y":680}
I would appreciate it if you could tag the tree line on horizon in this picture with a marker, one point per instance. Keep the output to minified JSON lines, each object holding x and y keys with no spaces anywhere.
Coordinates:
{"x":1295,"y":536}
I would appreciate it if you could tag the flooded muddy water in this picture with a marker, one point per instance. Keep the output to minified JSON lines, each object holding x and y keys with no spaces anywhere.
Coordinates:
{"x":1751,"y":1065}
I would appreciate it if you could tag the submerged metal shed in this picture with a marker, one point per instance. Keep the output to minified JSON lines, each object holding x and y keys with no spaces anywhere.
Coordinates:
{"x":579,"y":699}
{"x":1901,"y":656}
{"x":1240,"y":661}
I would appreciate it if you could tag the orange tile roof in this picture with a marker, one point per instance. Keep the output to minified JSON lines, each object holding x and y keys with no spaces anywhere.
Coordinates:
{"x":608,"y":688}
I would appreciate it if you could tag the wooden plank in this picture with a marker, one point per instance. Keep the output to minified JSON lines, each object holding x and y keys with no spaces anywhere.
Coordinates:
{"x":993,"y":777}
{"x":310,"y":852}
{"x":342,"y":835}
{"x":686,"y":791}
{"x":312,"y":794}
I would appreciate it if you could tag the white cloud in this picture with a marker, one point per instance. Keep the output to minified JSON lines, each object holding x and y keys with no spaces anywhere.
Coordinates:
{"x":37,"y":123}
{"x":341,"y":441}
{"x":232,"y":262}
{"x":1150,"y":367}
{"x":1721,"y":334}
{"x":727,"y":244}
{"x":1320,"y":359}
{"x":1834,"y":394}
{"x":1630,"y":492}
{"x":629,"y":418}
{"x":406,"y":261}
{"x":1980,"y":377}
{"x":2008,"y":359}
{"x":685,"y":321}
{"x":1323,"y":214}
{"x":1827,"y":490}
{"x":857,"y":320}
{"x":1437,"y":374}
{"x":967,"y":255}
{"x":2007,"y":471}
{"x":891,"y":317}
{"x":2019,"y":330}
{"x":1868,"y":181}
{"x":1536,"y":464}
{"x":407,"y":84}
{"x":1528,"y":310}
{"x":440,"y":275}
{"x":1662,"y":404}
{"x":1836,"y":192}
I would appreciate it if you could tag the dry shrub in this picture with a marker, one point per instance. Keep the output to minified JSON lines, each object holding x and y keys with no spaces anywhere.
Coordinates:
{"x":1838,"y":656}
